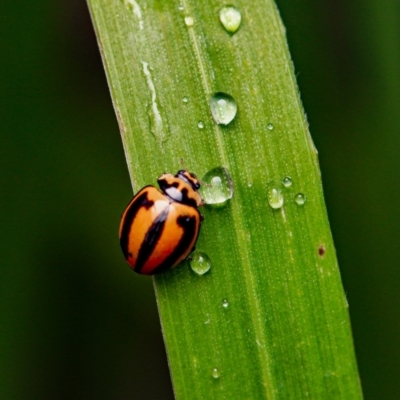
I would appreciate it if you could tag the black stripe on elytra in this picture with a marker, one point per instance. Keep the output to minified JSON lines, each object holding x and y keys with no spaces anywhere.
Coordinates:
{"x":140,"y":201}
{"x":189,"y":231}
{"x":151,"y":239}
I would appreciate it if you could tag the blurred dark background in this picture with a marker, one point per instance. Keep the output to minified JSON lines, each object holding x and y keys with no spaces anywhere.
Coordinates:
{"x":75,"y":322}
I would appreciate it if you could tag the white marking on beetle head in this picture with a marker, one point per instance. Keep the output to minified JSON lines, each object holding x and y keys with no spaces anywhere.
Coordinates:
{"x":174,"y":193}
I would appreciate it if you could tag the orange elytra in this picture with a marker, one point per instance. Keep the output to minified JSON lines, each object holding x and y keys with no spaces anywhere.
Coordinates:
{"x":159,"y":228}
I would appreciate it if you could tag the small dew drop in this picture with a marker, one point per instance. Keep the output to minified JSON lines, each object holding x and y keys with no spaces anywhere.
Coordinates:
{"x":346,"y":302}
{"x":223,"y":108}
{"x":200,"y":263}
{"x":275,"y":197}
{"x":270,"y":127}
{"x":217,"y":187}
{"x":200,"y":125}
{"x":189,"y":21}
{"x":185,"y":99}
{"x":215,"y":373}
{"x":249,"y":183}
{"x":230,"y":18}
{"x":180,"y":7}
{"x":287,"y":181}
{"x":225,"y":304}
{"x":300,"y":199}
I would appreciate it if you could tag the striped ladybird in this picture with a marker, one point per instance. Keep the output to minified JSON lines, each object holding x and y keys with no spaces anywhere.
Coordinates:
{"x":159,"y":229}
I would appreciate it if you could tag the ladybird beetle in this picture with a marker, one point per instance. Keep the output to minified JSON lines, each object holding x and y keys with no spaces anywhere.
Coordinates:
{"x":159,"y":229}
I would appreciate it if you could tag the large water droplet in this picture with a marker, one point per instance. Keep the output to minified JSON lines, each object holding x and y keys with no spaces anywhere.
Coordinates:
{"x":230,"y":18}
{"x":217,"y":187}
{"x":223,"y":108}
{"x":275,"y":197}
{"x":225,"y":304}
{"x":287,"y":181}
{"x":300,"y":199}
{"x":200,"y":262}
{"x":215,"y":373}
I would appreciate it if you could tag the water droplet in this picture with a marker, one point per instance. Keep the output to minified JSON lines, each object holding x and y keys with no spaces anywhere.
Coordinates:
{"x":249,"y":183}
{"x":225,"y":303}
{"x":185,"y":99}
{"x":217,"y":188}
{"x":275,"y":197}
{"x":156,"y":122}
{"x":230,"y":18}
{"x":180,"y":7}
{"x":134,"y":6}
{"x":300,"y":199}
{"x":215,"y":373}
{"x":223,"y":108}
{"x":200,"y":262}
{"x":287,"y":181}
{"x":270,"y":127}
{"x":189,"y":21}
{"x":200,"y":124}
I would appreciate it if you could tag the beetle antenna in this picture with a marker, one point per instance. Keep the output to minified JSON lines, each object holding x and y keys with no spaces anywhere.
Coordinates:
{"x":183,"y":164}
{"x":202,"y":183}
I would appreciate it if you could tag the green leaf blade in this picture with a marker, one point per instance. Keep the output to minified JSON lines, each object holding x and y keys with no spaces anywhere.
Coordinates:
{"x":286,"y":332}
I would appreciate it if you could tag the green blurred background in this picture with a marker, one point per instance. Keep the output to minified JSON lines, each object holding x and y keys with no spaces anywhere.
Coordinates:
{"x":75,"y":322}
